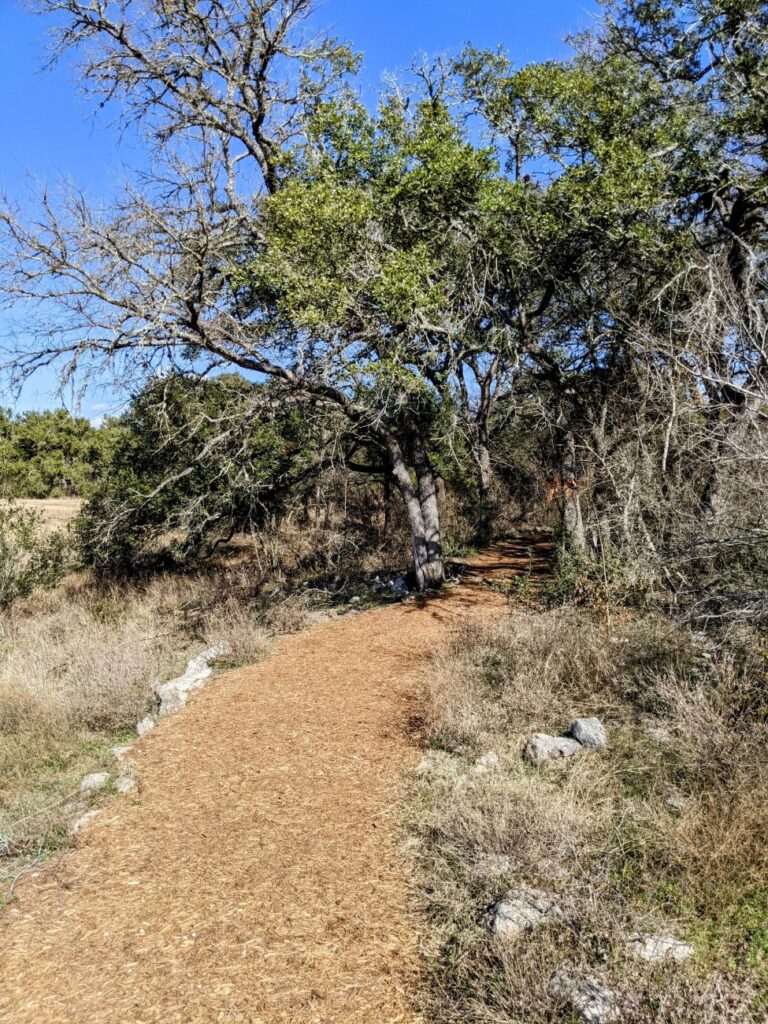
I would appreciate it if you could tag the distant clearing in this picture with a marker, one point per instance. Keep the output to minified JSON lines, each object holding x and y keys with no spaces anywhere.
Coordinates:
{"x":56,"y":512}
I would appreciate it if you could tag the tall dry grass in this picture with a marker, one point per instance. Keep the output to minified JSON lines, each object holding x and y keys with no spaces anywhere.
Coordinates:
{"x":662,"y":832}
{"x":77,"y":667}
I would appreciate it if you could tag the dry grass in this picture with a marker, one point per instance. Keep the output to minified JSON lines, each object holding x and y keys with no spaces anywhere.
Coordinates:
{"x":76,"y":671}
{"x":597,"y":831}
{"x":55,"y":513}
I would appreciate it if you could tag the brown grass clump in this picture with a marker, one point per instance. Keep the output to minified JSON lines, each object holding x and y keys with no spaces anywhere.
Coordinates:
{"x":661,"y":832}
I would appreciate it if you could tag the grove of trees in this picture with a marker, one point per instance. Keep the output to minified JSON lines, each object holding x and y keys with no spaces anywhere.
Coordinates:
{"x":554,"y":273}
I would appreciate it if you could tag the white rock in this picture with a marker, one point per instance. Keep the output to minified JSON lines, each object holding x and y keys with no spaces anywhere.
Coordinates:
{"x":82,"y":821}
{"x":592,"y":1002}
{"x":657,"y":948}
{"x":125,"y":784}
{"x":590,"y":732}
{"x":119,"y":752}
{"x":354,"y":600}
{"x":173,"y":694}
{"x":147,"y":724}
{"x":93,"y":783}
{"x":487,"y":763}
{"x":522,"y":910}
{"x":676,"y":802}
{"x":541,"y":748}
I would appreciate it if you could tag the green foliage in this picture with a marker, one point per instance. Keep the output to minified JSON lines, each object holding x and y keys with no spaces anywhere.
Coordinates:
{"x":50,"y":454}
{"x":192,"y":462}
{"x":28,"y":559}
{"x":595,"y":583}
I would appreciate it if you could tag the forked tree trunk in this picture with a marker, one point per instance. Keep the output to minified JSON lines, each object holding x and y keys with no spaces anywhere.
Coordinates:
{"x":423,"y":514}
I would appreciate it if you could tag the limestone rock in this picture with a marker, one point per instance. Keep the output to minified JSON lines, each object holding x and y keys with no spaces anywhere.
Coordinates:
{"x":93,"y":783}
{"x":120,"y":752}
{"x":658,"y":948}
{"x":522,"y":910}
{"x":487,"y":763}
{"x":593,"y":1003}
{"x":590,"y":732}
{"x":82,"y":821}
{"x":173,"y":694}
{"x":147,"y":724}
{"x":541,"y":748}
{"x":125,"y":784}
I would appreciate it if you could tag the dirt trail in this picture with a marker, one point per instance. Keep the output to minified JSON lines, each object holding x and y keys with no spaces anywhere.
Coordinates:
{"x":256,"y":876}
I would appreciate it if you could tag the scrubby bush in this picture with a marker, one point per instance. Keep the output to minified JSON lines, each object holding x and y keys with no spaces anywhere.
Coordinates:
{"x":193,"y":462}
{"x":28,"y":559}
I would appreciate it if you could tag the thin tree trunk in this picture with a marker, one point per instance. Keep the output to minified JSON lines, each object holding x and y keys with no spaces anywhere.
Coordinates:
{"x":423,"y":515}
{"x":573,"y":522}
{"x":484,"y":476}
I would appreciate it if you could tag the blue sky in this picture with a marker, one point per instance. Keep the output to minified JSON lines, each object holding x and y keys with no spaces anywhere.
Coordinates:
{"x":48,"y":131}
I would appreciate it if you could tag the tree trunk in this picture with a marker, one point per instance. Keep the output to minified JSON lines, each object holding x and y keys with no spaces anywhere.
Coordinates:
{"x":423,"y":514}
{"x":574,"y":534}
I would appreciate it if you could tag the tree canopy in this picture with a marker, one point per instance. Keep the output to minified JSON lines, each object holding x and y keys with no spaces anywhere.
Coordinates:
{"x":581,"y":241}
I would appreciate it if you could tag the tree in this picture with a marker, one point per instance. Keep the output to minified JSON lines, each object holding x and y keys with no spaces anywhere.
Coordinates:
{"x":178,"y":273}
{"x":193,"y":462}
{"x":50,"y":454}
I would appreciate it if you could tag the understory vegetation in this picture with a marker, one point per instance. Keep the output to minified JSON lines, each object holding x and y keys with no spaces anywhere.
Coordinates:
{"x":77,"y":668}
{"x":662,"y":832}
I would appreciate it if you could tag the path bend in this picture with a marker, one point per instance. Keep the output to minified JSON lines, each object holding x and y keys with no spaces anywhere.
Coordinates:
{"x":255,"y":878}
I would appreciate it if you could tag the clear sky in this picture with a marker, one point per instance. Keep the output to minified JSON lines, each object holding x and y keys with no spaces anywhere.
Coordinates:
{"x":47,"y":130}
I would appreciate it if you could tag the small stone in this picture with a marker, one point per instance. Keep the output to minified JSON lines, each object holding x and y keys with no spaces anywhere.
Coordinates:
{"x":658,"y":948}
{"x":399,"y":587}
{"x":592,"y":1002}
{"x":354,"y":600}
{"x":93,"y":783}
{"x":119,"y":752}
{"x":487,"y":763}
{"x":147,"y":724}
{"x":676,"y":802}
{"x":82,"y":821}
{"x":125,"y":784}
{"x":590,"y":732}
{"x":523,"y":910}
{"x":541,"y":748}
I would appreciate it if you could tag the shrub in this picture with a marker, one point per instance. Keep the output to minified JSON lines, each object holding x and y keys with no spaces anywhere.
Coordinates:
{"x":27,"y":558}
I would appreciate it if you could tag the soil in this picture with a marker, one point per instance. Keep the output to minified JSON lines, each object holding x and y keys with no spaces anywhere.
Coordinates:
{"x":256,"y":876}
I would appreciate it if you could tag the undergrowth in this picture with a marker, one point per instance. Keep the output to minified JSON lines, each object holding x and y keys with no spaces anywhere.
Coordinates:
{"x":77,"y":666}
{"x":662,"y":832}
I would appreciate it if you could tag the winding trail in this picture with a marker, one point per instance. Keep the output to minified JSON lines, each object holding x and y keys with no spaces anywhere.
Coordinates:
{"x":256,"y":877}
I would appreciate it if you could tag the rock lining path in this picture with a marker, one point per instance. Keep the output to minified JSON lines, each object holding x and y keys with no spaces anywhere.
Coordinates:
{"x":255,"y":877}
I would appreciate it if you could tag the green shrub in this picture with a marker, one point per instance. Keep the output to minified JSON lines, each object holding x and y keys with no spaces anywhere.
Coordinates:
{"x":28,"y":559}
